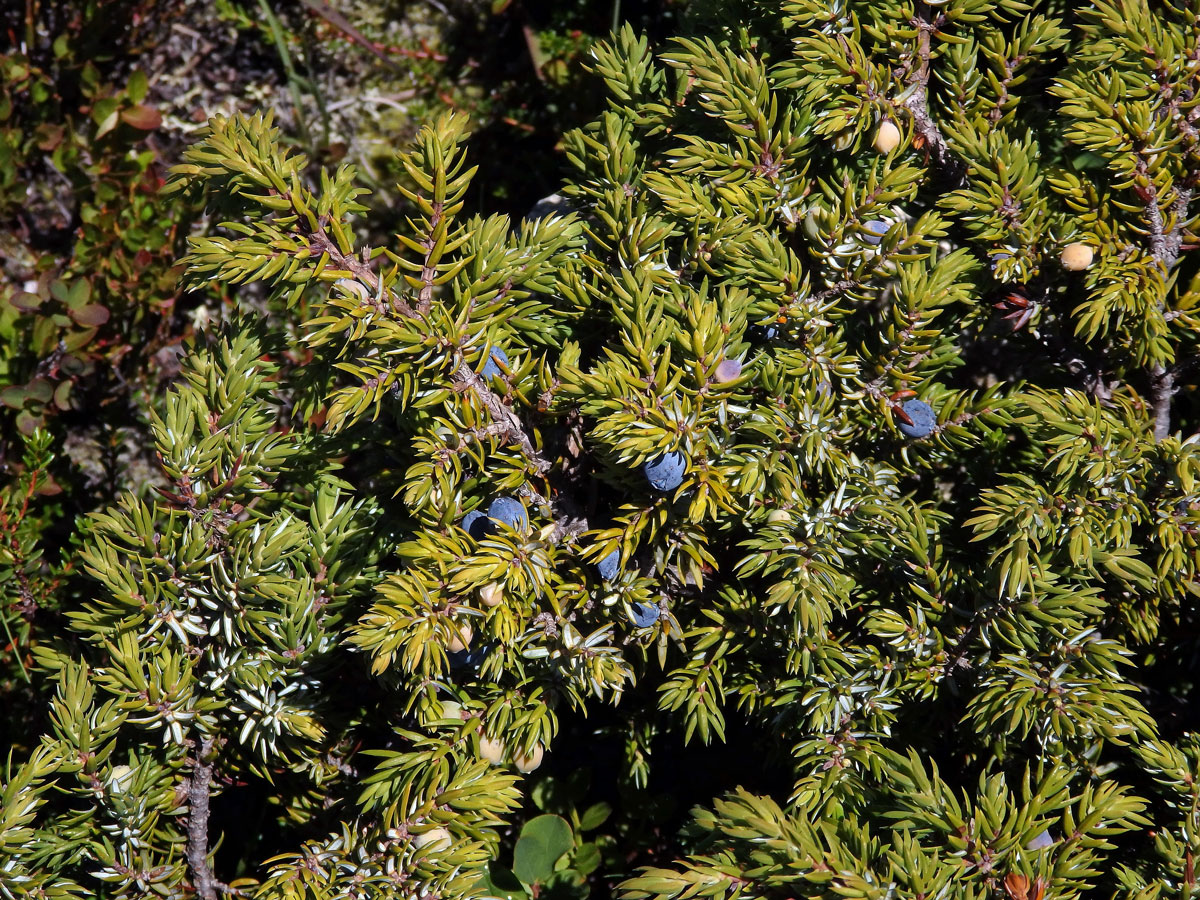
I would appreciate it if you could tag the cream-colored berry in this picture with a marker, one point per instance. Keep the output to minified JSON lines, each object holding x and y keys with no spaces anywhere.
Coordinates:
{"x":492,"y":594}
{"x":887,"y":138}
{"x":461,"y":639}
{"x":120,"y":779}
{"x":435,"y":839}
{"x":526,"y":764}
{"x":492,"y":750}
{"x":1077,"y":256}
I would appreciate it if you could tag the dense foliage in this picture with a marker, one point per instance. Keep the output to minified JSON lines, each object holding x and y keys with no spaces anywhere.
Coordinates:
{"x":824,"y":457}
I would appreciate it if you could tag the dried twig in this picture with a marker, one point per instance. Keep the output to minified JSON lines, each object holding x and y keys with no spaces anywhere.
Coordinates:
{"x":342,"y":24}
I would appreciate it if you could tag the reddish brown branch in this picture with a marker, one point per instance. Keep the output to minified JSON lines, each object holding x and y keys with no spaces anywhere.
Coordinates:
{"x":926,"y":22}
{"x":428,"y":267}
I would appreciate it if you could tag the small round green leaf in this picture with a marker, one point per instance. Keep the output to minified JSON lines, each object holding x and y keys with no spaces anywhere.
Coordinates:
{"x":543,"y":841}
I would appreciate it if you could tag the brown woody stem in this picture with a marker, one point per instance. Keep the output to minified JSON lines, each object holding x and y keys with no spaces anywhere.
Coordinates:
{"x":197,"y":829}
{"x":918,"y":98}
{"x":1165,"y":244}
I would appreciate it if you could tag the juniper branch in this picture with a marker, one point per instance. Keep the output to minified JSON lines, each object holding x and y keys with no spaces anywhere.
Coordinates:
{"x":506,"y":424}
{"x":509,"y":426}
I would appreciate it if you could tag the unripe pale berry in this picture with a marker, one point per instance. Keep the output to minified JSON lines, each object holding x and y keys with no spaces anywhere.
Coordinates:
{"x":435,"y":839}
{"x":352,"y":286}
{"x":492,"y":750}
{"x":526,"y":764}
{"x":1077,"y":256}
{"x":492,"y":594}
{"x":812,"y":226}
{"x":461,"y":638}
{"x":120,"y":779}
{"x":887,"y":138}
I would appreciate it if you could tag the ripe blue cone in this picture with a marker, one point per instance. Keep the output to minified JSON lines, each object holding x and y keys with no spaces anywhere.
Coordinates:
{"x":553,"y":205}
{"x":468,"y":657}
{"x":644,"y":615}
{"x":510,"y":511}
{"x":475,"y":524}
{"x":766,"y":333}
{"x":665,"y":472}
{"x":875,"y":229}
{"x":924,"y":419}
{"x":610,"y":565}
{"x":490,"y":368}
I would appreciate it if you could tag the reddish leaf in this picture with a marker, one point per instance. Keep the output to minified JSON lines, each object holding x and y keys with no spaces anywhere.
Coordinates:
{"x":48,"y":137}
{"x":146,"y":118}
{"x":62,"y":395}
{"x":40,"y":390}
{"x":77,"y":339}
{"x":49,"y":487}
{"x":25,"y":301}
{"x":27,"y":422}
{"x":92,"y":314}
